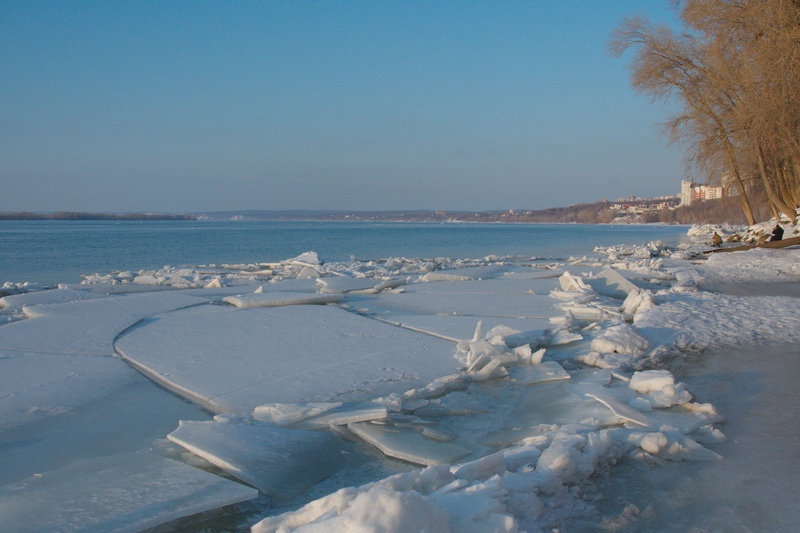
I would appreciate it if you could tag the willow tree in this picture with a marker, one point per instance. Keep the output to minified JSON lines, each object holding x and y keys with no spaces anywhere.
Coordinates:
{"x":736,"y":73}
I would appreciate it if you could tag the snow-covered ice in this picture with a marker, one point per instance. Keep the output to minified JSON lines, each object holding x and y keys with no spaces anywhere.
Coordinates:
{"x":523,"y":390}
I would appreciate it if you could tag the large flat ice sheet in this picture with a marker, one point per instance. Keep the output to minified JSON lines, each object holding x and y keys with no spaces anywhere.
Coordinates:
{"x":120,"y":493}
{"x":231,"y":359}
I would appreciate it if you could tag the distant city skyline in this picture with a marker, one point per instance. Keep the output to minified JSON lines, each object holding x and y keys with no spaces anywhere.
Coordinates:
{"x":208,"y":106}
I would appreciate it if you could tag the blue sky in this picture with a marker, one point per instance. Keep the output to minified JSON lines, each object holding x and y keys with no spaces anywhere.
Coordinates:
{"x":140,"y":106}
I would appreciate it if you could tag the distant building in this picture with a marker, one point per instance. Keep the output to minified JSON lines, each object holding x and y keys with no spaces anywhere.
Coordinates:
{"x":690,"y":191}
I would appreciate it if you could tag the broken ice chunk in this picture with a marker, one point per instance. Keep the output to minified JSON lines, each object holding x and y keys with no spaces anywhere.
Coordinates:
{"x":708,"y":434}
{"x":280,"y":462}
{"x":308,"y":273}
{"x":443,"y":276}
{"x":341,"y":285}
{"x":342,"y":417}
{"x":213,"y":284}
{"x":611,"y":283}
{"x":279,"y":299}
{"x":669,"y":395}
{"x":672,"y":445}
{"x":620,"y":339}
{"x":492,"y":369}
{"x":409,"y":444}
{"x":439,"y":434}
{"x":638,"y":300}
{"x":305,"y":259}
{"x":572,"y":283}
{"x":651,"y":380}
{"x":284,"y":414}
{"x":660,"y":388}
{"x":561,"y":336}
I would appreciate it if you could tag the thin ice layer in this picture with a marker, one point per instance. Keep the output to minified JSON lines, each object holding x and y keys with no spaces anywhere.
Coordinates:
{"x":119,"y":493}
{"x":277,"y":461}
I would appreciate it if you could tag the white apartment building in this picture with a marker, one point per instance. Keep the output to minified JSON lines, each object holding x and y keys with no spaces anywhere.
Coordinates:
{"x":690,"y":191}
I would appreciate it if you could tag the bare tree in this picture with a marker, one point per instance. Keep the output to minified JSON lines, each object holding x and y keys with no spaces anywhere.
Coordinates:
{"x":736,"y":73}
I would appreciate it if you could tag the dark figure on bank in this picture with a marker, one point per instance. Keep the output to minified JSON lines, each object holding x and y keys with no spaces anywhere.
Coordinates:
{"x":777,"y":233}
{"x":716,"y":240}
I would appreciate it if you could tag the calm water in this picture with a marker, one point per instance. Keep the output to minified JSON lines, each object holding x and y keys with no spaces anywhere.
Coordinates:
{"x":51,"y":252}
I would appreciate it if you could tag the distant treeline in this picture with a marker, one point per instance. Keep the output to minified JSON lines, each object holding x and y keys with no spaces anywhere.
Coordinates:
{"x":65,"y":215}
{"x":723,"y":210}
{"x":710,"y":211}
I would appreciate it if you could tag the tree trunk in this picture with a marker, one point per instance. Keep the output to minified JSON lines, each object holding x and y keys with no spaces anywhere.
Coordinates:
{"x":746,"y":208}
{"x":774,"y":199}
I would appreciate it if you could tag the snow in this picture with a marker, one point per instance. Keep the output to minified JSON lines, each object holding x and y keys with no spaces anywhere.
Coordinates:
{"x":507,"y":398}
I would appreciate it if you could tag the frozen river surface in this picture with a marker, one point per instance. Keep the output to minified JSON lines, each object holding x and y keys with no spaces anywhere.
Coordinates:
{"x":499,"y":394}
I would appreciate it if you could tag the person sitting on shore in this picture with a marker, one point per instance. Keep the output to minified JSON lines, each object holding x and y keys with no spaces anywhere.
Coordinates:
{"x":716,"y":240}
{"x":777,"y":233}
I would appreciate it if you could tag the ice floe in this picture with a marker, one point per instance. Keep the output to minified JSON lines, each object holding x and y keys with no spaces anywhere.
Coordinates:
{"x":233,"y":360}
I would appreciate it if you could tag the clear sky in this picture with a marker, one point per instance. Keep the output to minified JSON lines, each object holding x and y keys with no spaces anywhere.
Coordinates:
{"x":179,"y":106}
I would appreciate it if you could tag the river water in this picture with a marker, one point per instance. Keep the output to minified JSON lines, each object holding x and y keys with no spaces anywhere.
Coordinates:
{"x":52,"y":252}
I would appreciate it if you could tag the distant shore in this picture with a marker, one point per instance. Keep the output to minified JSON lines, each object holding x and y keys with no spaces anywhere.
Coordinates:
{"x":67,"y":215}
{"x":720,"y":211}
